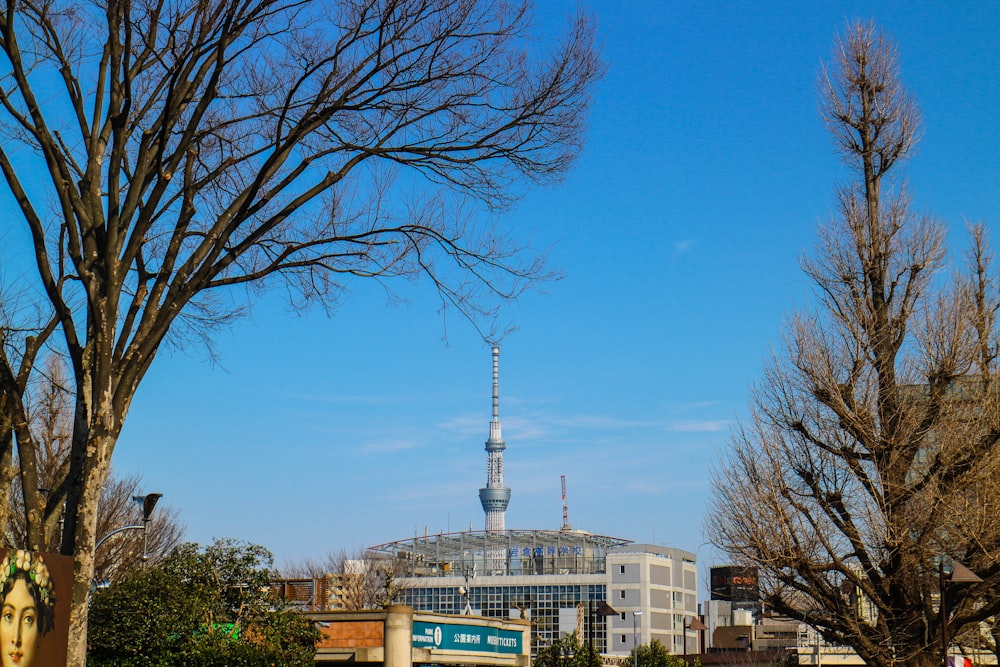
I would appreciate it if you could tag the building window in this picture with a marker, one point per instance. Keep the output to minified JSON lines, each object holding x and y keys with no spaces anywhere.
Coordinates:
{"x":623,"y":639}
{"x":621,"y":569}
{"x":621,"y":594}
{"x":623,"y":616}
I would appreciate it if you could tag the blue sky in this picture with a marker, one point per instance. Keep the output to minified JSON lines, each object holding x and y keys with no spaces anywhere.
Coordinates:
{"x":679,"y":232}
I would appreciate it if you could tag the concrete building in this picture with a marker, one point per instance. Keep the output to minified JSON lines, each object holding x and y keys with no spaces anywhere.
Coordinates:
{"x":736,"y":584}
{"x":657,"y":588}
{"x":734,"y":608}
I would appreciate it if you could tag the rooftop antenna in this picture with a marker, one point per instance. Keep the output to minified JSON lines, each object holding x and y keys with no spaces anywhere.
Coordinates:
{"x":565,"y":523}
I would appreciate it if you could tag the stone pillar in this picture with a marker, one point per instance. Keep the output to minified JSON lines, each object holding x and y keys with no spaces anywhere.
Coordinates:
{"x":399,"y":636}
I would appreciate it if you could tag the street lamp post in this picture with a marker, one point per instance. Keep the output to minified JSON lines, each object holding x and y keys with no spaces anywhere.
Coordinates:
{"x":695,"y":625}
{"x":960,"y":574}
{"x":148,"y":503}
{"x":635,"y":638}
{"x":603,"y":611}
{"x":565,"y":652}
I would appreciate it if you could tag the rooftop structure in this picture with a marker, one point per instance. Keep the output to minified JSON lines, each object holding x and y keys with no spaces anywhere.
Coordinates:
{"x":523,"y":552}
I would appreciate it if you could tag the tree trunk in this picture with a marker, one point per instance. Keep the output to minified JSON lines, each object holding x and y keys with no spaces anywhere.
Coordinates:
{"x":84,"y":539}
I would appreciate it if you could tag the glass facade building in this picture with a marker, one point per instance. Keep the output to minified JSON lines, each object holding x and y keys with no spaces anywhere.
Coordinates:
{"x":544,"y":604}
{"x":557,"y":578}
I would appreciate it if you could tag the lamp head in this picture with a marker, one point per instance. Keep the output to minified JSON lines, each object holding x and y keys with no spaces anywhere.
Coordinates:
{"x":696,"y":624}
{"x":604,"y":609}
{"x":963,"y":575}
{"x":148,"y":503}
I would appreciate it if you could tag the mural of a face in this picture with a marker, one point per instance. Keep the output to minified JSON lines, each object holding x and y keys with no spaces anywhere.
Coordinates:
{"x":18,"y":627}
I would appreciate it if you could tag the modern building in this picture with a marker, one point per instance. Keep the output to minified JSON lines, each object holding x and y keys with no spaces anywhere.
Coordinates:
{"x":656,"y":589}
{"x":612,"y":593}
{"x":734,"y":607}
{"x":737,"y":623}
{"x":736,"y":584}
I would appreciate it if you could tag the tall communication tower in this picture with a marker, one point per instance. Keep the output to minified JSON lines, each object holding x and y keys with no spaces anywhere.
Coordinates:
{"x":495,"y":496}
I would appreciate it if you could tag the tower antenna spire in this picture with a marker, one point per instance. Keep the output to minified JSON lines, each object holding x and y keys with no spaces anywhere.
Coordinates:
{"x":495,"y":496}
{"x":496,"y":389}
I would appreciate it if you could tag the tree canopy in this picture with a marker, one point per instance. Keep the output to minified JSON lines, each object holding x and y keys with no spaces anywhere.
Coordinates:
{"x":868,"y":466}
{"x":568,"y":651}
{"x":209,"y":607}
{"x":655,"y":654}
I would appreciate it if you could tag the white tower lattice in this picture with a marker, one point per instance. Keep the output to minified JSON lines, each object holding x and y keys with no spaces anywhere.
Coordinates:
{"x":495,"y":496}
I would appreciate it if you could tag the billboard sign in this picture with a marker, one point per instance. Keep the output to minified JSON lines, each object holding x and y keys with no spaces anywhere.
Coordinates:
{"x":35,"y":591}
{"x":454,"y":637}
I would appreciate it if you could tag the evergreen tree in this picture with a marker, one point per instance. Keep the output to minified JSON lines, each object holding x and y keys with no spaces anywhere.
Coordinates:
{"x":199,"y":607}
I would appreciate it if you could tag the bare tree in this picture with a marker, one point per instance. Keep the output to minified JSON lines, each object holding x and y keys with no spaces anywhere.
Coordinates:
{"x":50,"y":420}
{"x":175,"y":151}
{"x":871,"y":455}
{"x":51,"y":423}
{"x":355,"y":579}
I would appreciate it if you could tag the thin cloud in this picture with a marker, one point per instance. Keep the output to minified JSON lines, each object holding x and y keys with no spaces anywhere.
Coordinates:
{"x":683,"y":247}
{"x":700,"y":426}
{"x":696,"y":405}
{"x":423,"y":492}
{"x":645,"y":487}
{"x":602,"y":422}
{"x":390,"y":446}
{"x":345,"y":398}
{"x":465,"y":427}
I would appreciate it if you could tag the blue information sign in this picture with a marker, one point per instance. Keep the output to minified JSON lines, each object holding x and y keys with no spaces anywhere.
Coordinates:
{"x":455,"y":637}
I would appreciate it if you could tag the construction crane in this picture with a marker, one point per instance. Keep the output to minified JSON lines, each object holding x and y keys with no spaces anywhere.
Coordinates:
{"x":565,"y":523}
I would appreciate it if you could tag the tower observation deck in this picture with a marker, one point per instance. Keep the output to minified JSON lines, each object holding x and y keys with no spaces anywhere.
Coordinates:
{"x":495,"y":496}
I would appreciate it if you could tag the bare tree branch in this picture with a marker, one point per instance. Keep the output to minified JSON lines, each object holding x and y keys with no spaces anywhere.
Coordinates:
{"x":873,"y":445}
{"x":185,"y":155}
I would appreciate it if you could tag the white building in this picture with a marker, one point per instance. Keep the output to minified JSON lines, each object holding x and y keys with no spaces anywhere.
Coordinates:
{"x":656,"y":588}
